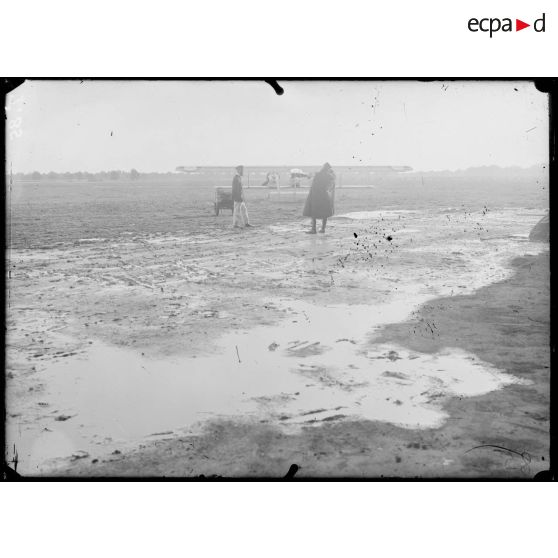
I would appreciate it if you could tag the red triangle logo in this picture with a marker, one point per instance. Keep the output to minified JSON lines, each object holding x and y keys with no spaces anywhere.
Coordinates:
{"x":519,"y":25}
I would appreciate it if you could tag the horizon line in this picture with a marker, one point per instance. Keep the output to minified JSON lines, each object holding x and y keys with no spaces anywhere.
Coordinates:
{"x":232,"y":167}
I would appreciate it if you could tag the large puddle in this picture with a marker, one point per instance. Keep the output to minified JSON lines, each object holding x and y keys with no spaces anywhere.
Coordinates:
{"x":305,"y":372}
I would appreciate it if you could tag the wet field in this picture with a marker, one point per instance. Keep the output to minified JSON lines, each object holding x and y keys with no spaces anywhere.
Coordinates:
{"x":137,"y":317}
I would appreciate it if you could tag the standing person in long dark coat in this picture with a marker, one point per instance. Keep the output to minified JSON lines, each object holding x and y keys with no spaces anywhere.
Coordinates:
{"x":319,"y":203}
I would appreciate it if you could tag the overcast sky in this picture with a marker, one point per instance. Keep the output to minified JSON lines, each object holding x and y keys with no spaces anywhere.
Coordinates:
{"x":158,"y":125}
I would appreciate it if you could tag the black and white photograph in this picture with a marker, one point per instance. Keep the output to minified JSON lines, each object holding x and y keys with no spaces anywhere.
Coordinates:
{"x":251,"y":279}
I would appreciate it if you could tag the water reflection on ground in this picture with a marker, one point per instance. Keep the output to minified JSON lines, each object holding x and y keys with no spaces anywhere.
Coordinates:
{"x":317,"y":369}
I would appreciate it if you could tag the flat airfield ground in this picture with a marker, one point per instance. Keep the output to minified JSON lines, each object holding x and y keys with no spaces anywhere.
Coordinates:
{"x":146,"y":337}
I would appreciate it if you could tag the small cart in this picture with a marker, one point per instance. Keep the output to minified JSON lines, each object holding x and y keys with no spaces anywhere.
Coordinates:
{"x":223,"y":199}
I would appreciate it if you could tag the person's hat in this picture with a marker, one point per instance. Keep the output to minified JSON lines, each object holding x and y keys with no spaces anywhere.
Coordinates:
{"x":239,"y":168}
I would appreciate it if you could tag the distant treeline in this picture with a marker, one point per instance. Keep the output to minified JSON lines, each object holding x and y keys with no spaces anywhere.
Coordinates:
{"x":81,"y":175}
{"x":488,"y":171}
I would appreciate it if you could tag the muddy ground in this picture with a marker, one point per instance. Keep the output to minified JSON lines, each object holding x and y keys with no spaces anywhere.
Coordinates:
{"x":163,"y":278}
{"x":512,"y":314}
